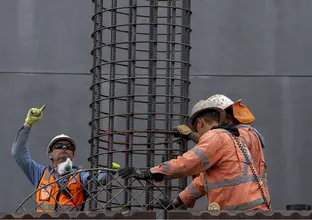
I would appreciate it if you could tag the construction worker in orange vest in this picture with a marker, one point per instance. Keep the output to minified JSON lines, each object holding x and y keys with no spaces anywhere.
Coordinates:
{"x":67,"y":194}
{"x":240,"y":116}
{"x":219,"y":158}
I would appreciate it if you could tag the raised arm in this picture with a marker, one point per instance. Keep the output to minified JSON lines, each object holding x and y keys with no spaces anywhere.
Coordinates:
{"x":20,"y":150}
{"x":22,"y":156}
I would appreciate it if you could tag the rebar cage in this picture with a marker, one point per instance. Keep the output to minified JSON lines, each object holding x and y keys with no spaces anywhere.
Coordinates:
{"x":140,"y":87}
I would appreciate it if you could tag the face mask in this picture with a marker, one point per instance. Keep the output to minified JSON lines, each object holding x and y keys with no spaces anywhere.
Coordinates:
{"x":65,"y":167}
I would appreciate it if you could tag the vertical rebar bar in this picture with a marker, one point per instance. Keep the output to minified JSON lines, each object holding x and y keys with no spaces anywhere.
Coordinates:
{"x":184,"y":73}
{"x":152,"y":74}
{"x":111,"y":121}
{"x":169,"y":91}
{"x":96,"y":93}
{"x":131,"y":90}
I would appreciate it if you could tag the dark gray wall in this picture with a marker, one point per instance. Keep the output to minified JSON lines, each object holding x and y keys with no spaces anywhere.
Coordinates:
{"x":255,"y":50}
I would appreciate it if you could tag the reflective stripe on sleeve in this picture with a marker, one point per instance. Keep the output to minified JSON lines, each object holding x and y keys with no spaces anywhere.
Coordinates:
{"x":203,"y":158}
{"x":195,"y":194}
{"x":165,"y":167}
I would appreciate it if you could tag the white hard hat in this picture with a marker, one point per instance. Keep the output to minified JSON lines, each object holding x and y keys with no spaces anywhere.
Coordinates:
{"x":203,"y":105}
{"x":222,"y":101}
{"x":61,"y":137}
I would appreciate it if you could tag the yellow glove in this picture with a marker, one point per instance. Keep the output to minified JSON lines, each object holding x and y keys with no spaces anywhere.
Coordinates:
{"x":34,"y":114}
{"x":115,"y":166}
{"x":184,"y":130}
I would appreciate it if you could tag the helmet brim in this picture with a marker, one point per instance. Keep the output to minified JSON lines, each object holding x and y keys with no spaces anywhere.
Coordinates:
{"x":239,"y":100}
{"x":71,"y":140}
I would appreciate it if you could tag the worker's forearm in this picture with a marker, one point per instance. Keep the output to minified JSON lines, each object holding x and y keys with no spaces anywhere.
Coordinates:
{"x":22,"y":156}
{"x":19,"y":149}
{"x":194,"y":136}
{"x":186,"y":165}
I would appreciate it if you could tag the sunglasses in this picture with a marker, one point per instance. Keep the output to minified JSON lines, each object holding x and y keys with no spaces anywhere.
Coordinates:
{"x":64,"y":146}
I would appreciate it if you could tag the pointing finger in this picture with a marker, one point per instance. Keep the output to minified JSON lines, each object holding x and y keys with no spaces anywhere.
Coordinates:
{"x":43,"y":107}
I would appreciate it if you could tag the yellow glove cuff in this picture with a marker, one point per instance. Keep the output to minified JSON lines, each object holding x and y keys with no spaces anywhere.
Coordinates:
{"x":29,"y":121}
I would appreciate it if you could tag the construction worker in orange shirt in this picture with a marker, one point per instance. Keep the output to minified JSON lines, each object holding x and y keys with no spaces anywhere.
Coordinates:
{"x":240,"y":116}
{"x":219,"y":158}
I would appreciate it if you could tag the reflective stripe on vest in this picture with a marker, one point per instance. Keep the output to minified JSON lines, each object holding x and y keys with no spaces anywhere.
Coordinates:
{"x":47,"y":175}
{"x":259,"y":135}
{"x":231,"y":182}
{"x":203,"y":158}
{"x":220,"y":184}
{"x":247,"y":205}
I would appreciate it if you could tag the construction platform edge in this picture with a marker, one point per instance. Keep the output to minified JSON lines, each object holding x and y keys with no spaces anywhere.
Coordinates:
{"x":172,"y":215}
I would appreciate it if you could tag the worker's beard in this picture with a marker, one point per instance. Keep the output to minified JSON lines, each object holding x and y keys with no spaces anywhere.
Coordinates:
{"x":64,"y":154}
{"x":62,"y":157}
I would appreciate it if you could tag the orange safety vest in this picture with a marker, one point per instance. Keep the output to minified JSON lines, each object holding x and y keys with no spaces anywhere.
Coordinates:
{"x":223,"y":178}
{"x":51,"y":199}
{"x":253,"y":140}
